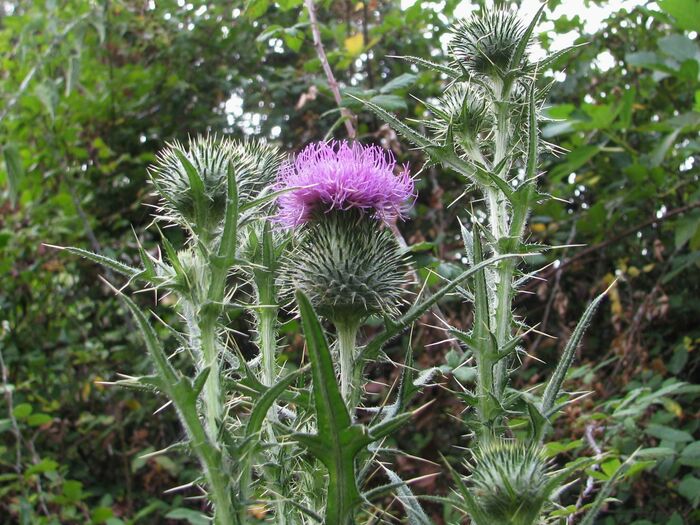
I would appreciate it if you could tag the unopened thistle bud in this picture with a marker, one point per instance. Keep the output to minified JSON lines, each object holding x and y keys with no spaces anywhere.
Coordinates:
{"x":510,"y":481}
{"x":202,"y":205}
{"x":347,"y":261}
{"x":486,"y":44}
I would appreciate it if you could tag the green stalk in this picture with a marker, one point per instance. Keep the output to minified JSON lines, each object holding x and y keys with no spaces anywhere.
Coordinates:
{"x":220,"y":493}
{"x":347,"y":338}
{"x":219,"y":264}
{"x":180,"y":392}
{"x":268,"y":345}
{"x":498,"y":223}
{"x":340,"y":505}
{"x":212,"y":387}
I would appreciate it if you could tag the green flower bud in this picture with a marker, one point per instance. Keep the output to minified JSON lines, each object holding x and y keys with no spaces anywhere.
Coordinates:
{"x":486,"y":44}
{"x":201,"y":207}
{"x":509,"y":481}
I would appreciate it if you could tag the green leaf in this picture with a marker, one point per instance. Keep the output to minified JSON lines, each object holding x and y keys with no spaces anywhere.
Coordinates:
{"x":36,"y":420}
{"x":686,"y":12}
{"x":389,"y":102}
{"x":667,"y":433}
{"x":48,"y":96}
{"x":573,"y":161}
{"x":679,"y":47}
{"x":691,"y":455}
{"x":22,"y":410}
{"x":689,"y":488}
{"x":73,"y":490}
{"x":337,"y":441}
{"x":256,"y":8}
{"x":15,"y":170}
{"x":555,"y":382}
{"x":45,"y":465}
{"x":402,"y":81}
{"x":605,"y":491}
{"x":193,"y":517}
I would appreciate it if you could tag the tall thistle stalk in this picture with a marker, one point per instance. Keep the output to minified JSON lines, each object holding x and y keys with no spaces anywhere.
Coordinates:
{"x":485,"y":128}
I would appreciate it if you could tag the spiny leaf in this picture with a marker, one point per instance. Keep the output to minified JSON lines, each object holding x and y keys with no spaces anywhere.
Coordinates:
{"x":525,"y":39}
{"x":414,"y":313}
{"x":470,"y":503}
{"x":107,"y":262}
{"x":257,"y":415}
{"x":416,"y":515}
{"x":409,"y":133}
{"x":338,"y":441}
{"x":430,"y":65}
{"x":555,"y":382}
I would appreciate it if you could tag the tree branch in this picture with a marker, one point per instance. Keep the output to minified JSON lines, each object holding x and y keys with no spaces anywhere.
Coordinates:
{"x":332,"y":83}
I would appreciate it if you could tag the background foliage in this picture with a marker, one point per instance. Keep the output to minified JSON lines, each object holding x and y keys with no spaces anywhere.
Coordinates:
{"x":91,"y":90}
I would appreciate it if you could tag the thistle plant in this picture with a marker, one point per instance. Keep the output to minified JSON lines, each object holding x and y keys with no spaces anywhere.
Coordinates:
{"x":484,"y":128}
{"x":311,"y":235}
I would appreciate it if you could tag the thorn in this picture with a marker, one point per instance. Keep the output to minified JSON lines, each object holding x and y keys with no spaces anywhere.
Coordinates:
{"x":166,"y":405}
{"x":179,"y":488}
{"x":53,"y":246}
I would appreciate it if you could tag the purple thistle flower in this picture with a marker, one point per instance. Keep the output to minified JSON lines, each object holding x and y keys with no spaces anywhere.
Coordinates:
{"x":341,"y":176}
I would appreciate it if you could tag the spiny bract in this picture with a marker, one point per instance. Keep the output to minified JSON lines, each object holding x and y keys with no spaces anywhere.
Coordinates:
{"x":349,"y":266}
{"x":254,"y":166}
{"x":486,"y":44}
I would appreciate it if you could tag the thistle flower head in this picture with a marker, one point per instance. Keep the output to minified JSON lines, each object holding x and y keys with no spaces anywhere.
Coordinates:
{"x":510,"y":481}
{"x":486,"y":44}
{"x":329,"y":176}
{"x":199,"y":199}
{"x":350,"y":267}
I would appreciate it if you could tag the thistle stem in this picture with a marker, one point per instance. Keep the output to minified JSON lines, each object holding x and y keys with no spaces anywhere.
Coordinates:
{"x":212,"y":387}
{"x":220,"y":493}
{"x":268,"y":346}
{"x":347,"y":337}
{"x":485,"y":389}
{"x":499,"y":218}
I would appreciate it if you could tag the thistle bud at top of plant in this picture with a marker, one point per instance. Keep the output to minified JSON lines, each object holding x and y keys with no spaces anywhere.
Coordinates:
{"x":342,"y":176}
{"x":198,"y":199}
{"x":486,"y":44}
{"x":510,"y":481}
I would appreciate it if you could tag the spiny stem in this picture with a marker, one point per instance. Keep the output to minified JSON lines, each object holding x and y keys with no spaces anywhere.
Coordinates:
{"x":498,"y":222}
{"x":347,"y":337}
{"x":212,"y":387}
{"x":268,"y":346}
